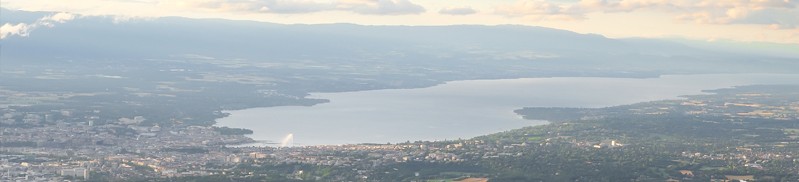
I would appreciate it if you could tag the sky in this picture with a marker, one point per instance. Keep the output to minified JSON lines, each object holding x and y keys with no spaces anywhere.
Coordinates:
{"x":774,"y":21}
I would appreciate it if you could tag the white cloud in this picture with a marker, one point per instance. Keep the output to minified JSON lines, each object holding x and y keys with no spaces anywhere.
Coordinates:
{"x":774,"y":13}
{"x":8,"y":29}
{"x":381,"y":7}
{"x":776,"y":19}
{"x":709,"y":11}
{"x":24,"y":29}
{"x":59,"y":18}
{"x":371,"y":7}
{"x":539,"y":10}
{"x":458,"y":11}
{"x":288,"y":6}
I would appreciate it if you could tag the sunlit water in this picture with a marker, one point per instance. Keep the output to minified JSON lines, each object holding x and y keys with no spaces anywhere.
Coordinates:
{"x":463,"y":109}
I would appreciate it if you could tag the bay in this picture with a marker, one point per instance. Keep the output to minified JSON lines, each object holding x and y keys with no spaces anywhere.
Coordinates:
{"x":463,"y":109}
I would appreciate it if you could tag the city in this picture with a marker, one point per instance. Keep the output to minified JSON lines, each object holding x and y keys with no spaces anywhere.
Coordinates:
{"x":44,"y":149}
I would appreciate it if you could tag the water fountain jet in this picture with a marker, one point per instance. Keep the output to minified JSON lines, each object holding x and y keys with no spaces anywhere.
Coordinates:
{"x":288,"y":141}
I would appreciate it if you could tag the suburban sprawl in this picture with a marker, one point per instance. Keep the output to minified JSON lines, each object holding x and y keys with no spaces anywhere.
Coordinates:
{"x":743,"y":133}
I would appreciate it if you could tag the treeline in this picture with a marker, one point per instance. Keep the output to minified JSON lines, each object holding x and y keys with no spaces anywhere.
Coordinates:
{"x":232,"y":131}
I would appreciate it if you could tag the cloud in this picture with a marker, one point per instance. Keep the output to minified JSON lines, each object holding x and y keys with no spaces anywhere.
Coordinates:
{"x":773,"y":13}
{"x":290,"y":7}
{"x":21,"y":29}
{"x":369,"y":7}
{"x":24,"y":29}
{"x":458,"y":11}
{"x":59,"y":18}
{"x":775,"y":19}
{"x":381,"y":7}
{"x":264,"y":6}
{"x":540,"y":10}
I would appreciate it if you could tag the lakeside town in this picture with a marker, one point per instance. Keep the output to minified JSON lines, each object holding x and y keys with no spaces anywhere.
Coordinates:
{"x":46,"y":146}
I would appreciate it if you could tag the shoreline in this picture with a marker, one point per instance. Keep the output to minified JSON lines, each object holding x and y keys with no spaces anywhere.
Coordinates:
{"x":750,"y":79}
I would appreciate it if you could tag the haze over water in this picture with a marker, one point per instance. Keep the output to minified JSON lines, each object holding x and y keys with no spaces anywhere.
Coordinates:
{"x":464,"y":109}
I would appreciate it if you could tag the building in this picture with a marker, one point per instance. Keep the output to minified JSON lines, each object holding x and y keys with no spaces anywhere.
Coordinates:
{"x":76,"y":172}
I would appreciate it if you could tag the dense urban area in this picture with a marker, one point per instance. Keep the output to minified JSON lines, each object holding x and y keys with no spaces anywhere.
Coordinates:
{"x":742,"y":133}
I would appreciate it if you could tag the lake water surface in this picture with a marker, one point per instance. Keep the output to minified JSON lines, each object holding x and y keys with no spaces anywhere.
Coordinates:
{"x":464,"y":109}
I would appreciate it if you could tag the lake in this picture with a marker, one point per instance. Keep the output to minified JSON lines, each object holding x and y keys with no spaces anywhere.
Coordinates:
{"x":463,"y":109}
